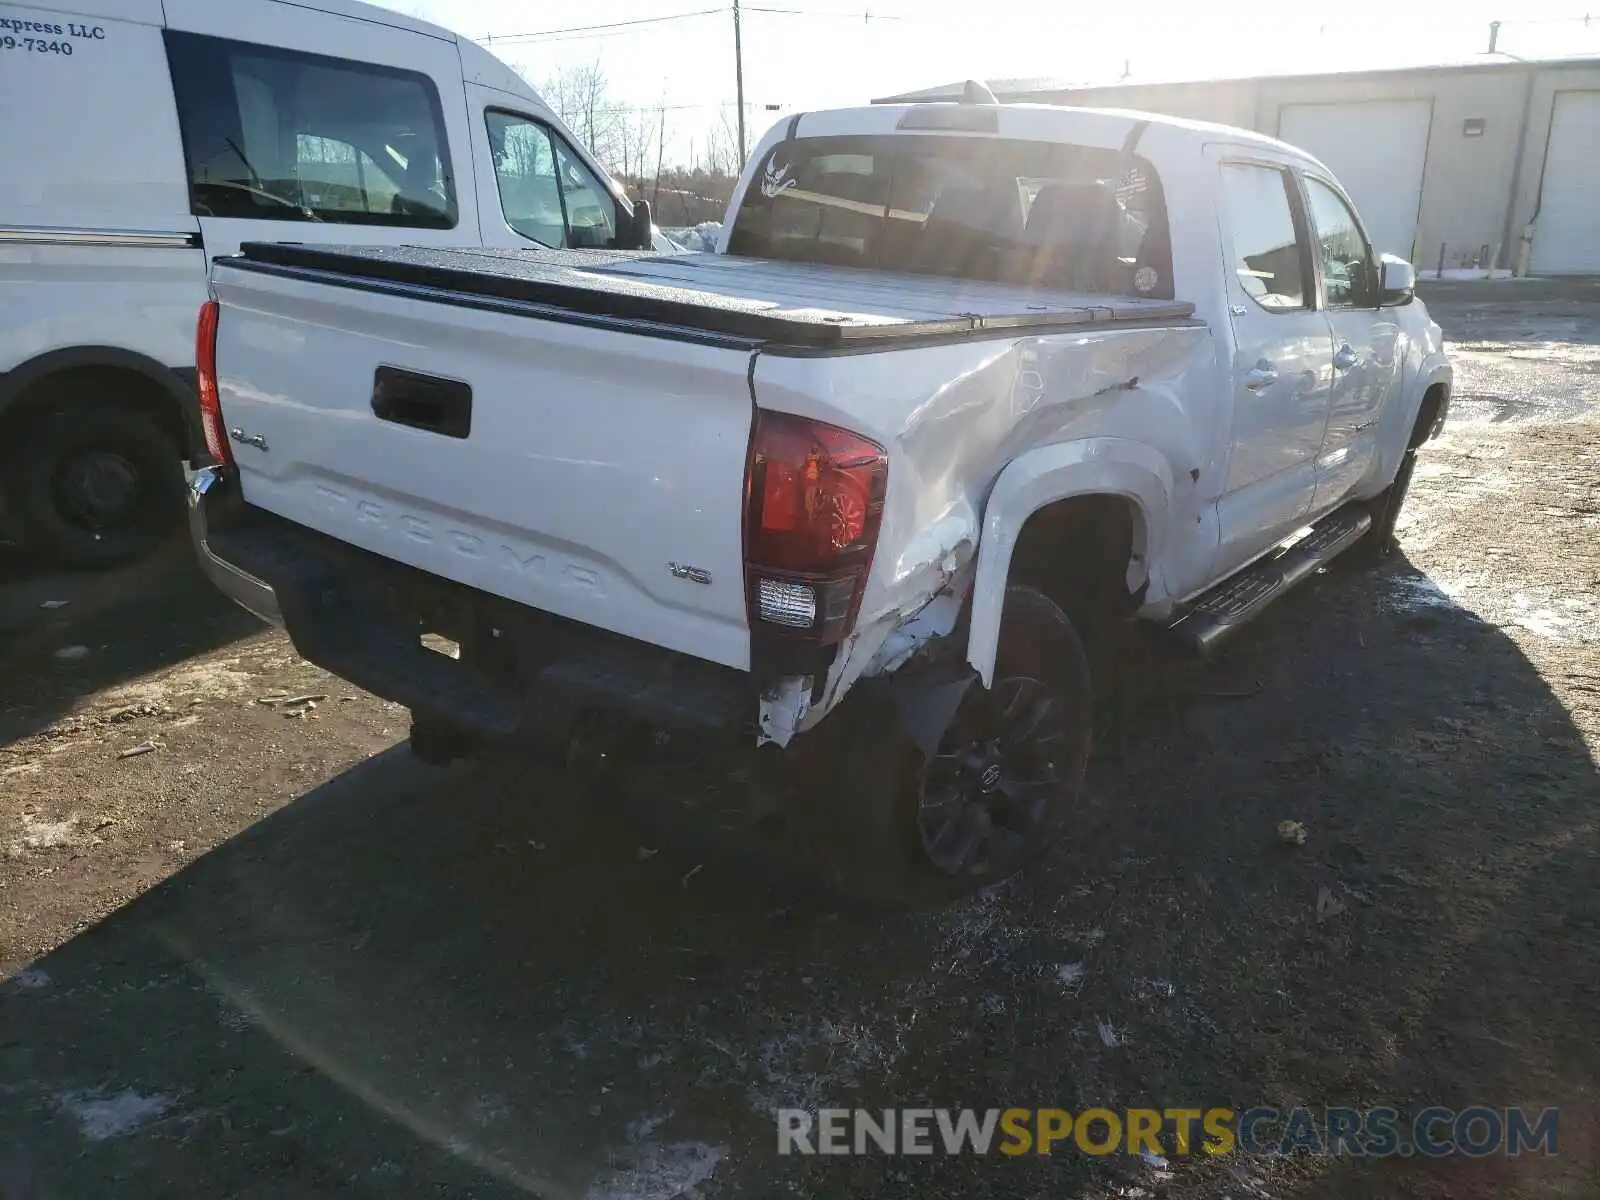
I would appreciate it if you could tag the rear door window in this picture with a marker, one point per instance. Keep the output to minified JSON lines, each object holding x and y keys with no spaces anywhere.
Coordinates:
{"x":1269,"y":257}
{"x":272,"y":134}
{"x":1071,"y":217}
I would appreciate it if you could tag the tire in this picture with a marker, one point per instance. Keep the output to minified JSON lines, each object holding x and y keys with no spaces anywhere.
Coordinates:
{"x":97,"y":486}
{"x":438,"y":742}
{"x":1000,"y":788}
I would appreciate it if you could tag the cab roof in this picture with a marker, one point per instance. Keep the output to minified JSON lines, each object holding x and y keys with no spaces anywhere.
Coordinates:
{"x":1108,"y":127}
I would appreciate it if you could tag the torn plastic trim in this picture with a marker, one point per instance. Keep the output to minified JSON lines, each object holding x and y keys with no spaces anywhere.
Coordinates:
{"x":936,"y":619}
{"x":920,"y":668}
{"x":783,"y":707}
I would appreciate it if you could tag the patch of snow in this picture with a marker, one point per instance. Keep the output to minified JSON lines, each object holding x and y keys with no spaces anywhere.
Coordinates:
{"x":1110,"y":1037}
{"x":1539,"y":619}
{"x":1071,"y":975}
{"x":1414,"y":593}
{"x":657,"y":1172}
{"x":640,"y":1130}
{"x":1466,"y":273}
{"x":31,"y":979}
{"x":977,"y":935}
{"x":101,"y":1117}
{"x":47,"y":835}
{"x":807,"y":1066}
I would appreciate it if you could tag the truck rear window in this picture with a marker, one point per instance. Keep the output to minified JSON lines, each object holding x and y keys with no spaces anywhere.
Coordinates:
{"x":1076,"y":218}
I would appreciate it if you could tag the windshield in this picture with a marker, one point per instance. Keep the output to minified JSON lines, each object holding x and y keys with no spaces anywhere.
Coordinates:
{"x":1076,"y":218}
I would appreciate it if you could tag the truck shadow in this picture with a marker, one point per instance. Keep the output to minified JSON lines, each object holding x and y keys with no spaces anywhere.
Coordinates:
{"x":120,"y":624}
{"x":478,"y":980}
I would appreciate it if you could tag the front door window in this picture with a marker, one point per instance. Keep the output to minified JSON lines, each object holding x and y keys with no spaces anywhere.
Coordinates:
{"x":548,"y":194}
{"x":1347,"y":271}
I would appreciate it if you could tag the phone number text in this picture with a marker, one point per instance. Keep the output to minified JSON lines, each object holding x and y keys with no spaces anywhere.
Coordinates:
{"x":8,"y":42}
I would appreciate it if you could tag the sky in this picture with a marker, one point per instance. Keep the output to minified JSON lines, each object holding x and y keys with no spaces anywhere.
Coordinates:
{"x":829,"y":53}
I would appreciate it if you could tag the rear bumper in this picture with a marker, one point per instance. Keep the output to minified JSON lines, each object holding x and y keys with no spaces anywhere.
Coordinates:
{"x":212,"y":489}
{"x":521,"y":672}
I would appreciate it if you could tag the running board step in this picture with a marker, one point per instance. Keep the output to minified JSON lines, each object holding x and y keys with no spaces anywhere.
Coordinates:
{"x":1209,"y":619}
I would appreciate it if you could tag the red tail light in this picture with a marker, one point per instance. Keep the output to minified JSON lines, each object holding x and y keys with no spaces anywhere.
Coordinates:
{"x":205,"y":364}
{"x":814,"y":499}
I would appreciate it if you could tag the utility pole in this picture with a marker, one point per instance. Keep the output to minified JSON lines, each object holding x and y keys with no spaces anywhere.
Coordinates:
{"x":738,"y":75}
{"x":661,"y":150}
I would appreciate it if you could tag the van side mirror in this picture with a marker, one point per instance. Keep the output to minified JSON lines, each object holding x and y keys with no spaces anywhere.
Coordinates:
{"x":643,"y":227}
{"x":1398,"y":281}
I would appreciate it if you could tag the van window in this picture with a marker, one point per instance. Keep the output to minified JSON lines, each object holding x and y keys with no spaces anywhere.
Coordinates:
{"x":1078,"y":218}
{"x":547,"y":192}
{"x":279,"y":135}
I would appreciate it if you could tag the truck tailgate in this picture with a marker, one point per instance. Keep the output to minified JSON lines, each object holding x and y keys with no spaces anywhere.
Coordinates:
{"x":584,"y":471}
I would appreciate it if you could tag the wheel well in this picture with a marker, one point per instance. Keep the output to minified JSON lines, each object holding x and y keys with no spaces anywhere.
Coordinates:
{"x":1077,"y":551}
{"x":62,"y":390}
{"x":1433,"y":402}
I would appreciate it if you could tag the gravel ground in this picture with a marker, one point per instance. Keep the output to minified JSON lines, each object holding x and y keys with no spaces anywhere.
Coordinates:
{"x":249,"y":947}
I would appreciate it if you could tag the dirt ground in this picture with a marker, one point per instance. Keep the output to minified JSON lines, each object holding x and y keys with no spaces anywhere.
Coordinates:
{"x":252,"y":948}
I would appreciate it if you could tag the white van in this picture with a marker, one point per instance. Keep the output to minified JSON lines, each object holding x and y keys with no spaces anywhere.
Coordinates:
{"x":142,"y":136}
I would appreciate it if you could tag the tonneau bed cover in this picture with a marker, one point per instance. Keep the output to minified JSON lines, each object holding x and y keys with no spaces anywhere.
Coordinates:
{"x":765,"y":303}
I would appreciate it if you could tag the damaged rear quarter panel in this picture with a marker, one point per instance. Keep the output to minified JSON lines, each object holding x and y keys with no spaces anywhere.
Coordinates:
{"x":952,"y":417}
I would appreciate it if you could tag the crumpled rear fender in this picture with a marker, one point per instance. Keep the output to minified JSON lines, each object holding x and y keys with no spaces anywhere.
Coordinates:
{"x":1089,"y":467}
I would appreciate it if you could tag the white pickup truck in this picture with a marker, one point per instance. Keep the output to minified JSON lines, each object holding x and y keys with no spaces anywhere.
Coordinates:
{"x":968,"y":391}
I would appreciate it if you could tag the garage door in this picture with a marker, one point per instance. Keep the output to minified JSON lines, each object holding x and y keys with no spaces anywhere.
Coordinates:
{"x":1377,"y":149}
{"x":1567,"y":236}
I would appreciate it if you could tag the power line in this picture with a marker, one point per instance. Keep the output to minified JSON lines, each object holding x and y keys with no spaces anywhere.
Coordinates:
{"x":607,"y":29}
{"x":496,"y":39}
{"x":866,"y":16}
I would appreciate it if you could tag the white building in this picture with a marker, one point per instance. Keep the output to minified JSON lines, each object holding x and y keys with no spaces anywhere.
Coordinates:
{"x":1490,"y":163}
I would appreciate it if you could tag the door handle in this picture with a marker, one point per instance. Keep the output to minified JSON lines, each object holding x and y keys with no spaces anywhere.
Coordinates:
{"x":1345,"y":357}
{"x":423,"y":402}
{"x":1262,"y":375}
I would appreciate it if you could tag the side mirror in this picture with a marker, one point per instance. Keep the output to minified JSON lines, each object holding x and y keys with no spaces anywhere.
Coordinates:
{"x":1398,"y":281}
{"x":643,"y":227}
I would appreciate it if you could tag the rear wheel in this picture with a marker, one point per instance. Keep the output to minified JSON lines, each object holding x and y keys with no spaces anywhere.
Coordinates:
{"x":97,"y":486}
{"x":1003,"y":782}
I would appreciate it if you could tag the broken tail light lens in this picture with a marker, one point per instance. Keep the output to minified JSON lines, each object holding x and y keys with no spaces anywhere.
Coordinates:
{"x":814,"y":501}
{"x":205,"y":365}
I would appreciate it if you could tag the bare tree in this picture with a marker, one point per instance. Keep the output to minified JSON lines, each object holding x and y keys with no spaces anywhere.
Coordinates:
{"x":579,"y":97}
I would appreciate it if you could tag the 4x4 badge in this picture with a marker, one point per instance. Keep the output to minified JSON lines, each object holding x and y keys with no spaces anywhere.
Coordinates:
{"x":247,"y":439}
{"x":692,"y":574}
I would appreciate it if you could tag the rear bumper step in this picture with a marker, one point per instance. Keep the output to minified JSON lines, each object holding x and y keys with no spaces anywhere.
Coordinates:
{"x":1208,"y":620}
{"x":522,"y":675}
